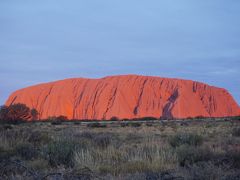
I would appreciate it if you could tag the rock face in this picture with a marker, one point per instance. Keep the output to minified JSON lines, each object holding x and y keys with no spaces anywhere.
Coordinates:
{"x":127,"y":96}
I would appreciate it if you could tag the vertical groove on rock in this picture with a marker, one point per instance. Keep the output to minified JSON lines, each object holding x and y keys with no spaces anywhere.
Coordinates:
{"x":99,"y":88}
{"x":135,"y":111}
{"x":12,"y":101}
{"x":44,"y":101}
{"x":167,"y":110}
{"x":79,"y":98}
{"x":111,"y":101}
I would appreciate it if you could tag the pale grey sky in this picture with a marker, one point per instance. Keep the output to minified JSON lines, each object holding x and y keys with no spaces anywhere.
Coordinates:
{"x":47,"y":40}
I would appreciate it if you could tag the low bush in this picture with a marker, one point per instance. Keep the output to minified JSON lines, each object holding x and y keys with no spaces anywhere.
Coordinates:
{"x":97,"y":125}
{"x":185,"y":138}
{"x":124,"y":124}
{"x":12,"y":138}
{"x":189,"y":154}
{"x":147,"y":118}
{"x":26,"y":151}
{"x":13,"y":121}
{"x":102,"y":140}
{"x":60,"y":153}
{"x":114,"y":118}
{"x":236,"y":118}
{"x":77,"y":123}
{"x":184,"y":124}
{"x":149,"y":124}
{"x":39,"y":164}
{"x":236,"y":132}
{"x":39,"y":138}
{"x":135,"y":124}
{"x":57,"y":120}
{"x":199,"y":117}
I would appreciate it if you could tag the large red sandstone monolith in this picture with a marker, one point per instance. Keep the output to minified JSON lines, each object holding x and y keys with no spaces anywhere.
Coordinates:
{"x":127,"y":96}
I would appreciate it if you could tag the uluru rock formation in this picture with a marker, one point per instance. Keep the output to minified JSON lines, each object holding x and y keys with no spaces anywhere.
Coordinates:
{"x":126,"y":96}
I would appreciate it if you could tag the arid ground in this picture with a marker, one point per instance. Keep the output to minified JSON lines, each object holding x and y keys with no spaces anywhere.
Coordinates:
{"x":194,"y":149}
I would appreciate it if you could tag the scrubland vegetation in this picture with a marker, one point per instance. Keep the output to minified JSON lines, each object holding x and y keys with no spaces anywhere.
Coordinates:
{"x":121,"y":150}
{"x":144,"y":148}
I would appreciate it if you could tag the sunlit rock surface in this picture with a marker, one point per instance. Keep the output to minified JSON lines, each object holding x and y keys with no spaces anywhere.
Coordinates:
{"x":127,"y":96}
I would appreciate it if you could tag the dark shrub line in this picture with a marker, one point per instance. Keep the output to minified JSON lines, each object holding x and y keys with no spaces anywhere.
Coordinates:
{"x":97,"y":125}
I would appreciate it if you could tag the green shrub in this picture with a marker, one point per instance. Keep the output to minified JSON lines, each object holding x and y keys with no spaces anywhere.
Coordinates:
{"x":190,"y":154}
{"x":38,"y":164}
{"x":39,"y":138}
{"x":102,"y":140}
{"x":147,"y":118}
{"x":199,"y":117}
{"x":184,"y":123}
{"x":60,"y":153}
{"x":77,"y":123}
{"x":235,"y":118}
{"x":13,"y":121}
{"x":97,"y":125}
{"x":236,"y":132}
{"x":185,"y":138}
{"x":56,"y":122}
{"x":149,"y":124}
{"x":131,"y":124}
{"x":114,"y":118}
{"x":26,"y":151}
{"x":135,"y":124}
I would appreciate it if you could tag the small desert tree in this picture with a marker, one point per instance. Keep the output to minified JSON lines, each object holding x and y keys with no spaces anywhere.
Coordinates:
{"x":17,"y":112}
